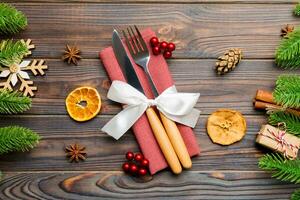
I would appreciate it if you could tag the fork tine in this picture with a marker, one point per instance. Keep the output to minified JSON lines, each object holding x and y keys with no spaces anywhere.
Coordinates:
{"x":141,"y":38}
{"x":128,"y":42}
{"x":136,"y":39}
{"x":132,"y":42}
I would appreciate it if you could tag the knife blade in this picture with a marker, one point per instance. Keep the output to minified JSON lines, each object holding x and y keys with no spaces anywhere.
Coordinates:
{"x":154,"y":121}
{"x":123,"y":61}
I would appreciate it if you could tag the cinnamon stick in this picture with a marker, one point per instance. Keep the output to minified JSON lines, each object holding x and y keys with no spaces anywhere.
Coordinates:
{"x":260,"y":105}
{"x":266,"y":96}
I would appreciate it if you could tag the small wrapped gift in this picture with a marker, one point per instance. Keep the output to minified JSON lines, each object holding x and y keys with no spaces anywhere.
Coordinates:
{"x":279,"y":140}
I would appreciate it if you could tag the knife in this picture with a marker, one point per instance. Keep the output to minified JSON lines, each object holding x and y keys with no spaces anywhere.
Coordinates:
{"x":155,"y":123}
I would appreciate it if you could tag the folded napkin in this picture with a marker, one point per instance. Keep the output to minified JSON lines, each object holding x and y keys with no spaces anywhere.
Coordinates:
{"x":162,"y":79}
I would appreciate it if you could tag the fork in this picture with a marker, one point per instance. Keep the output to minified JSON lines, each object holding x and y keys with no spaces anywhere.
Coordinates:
{"x":141,"y":56}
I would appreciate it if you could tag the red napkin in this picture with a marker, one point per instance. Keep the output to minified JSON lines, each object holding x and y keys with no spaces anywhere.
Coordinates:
{"x":162,"y":80}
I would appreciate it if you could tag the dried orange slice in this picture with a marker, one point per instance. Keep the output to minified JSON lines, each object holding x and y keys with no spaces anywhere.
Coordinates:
{"x":226,"y":126}
{"x":83,"y":103}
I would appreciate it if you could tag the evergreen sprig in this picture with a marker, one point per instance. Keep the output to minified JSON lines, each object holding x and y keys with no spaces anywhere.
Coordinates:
{"x":296,"y":195}
{"x":15,"y":138}
{"x":297,"y":10}
{"x":287,"y":91}
{"x":285,"y":170}
{"x":287,"y":54}
{"x":12,"y":52}
{"x":291,"y":121}
{"x":11,"y":20}
{"x":13,"y":102}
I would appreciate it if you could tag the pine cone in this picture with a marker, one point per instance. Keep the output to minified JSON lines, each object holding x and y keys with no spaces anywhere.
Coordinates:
{"x":286,"y":30}
{"x":228,"y":61}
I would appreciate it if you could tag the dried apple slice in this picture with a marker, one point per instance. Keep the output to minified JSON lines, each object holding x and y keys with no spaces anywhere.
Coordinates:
{"x":226,"y":126}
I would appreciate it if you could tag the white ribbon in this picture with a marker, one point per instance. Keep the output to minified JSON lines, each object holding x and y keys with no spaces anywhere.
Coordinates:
{"x":178,"y":107}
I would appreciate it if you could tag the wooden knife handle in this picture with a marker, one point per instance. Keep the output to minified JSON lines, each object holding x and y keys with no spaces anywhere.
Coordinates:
{"x":163,"y":141}
{"x":177,"y":141}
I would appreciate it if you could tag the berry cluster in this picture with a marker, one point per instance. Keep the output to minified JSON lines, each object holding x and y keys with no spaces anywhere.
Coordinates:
{"x":136,"y":164}
{"x":158,"y":47}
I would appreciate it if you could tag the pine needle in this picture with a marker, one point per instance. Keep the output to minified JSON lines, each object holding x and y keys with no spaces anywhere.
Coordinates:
{"x":12,"y":52}
{"x":11,"y":20}
{"x":287,"y":54}
{"x":14,"y":138}
{"x":285,"y":170}
{"x":292,"y":121}
{"x":287,"y":91}
{"x":296,"y":195}
{"x":297,"y":10}
{"x":13,"y":102}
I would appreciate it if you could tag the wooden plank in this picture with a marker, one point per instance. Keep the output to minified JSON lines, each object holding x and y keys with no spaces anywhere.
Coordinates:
{"x":199,"y":30}
{"x":216,"y":185}
{"x":164,"y":1}
{"x":205,"y":31}
{"x":106,"y":153}
{"x":234,"y":90}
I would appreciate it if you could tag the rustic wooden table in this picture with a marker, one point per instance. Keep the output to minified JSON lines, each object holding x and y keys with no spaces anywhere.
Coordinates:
{"x":203,"y":29}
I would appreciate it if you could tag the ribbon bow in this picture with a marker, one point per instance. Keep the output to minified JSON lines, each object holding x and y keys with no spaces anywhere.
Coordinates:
{"x":176,"y":106}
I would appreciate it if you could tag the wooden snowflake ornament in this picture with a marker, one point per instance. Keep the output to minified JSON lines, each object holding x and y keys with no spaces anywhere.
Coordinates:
{"x":18,"y":72}
{"x":29,"y":45}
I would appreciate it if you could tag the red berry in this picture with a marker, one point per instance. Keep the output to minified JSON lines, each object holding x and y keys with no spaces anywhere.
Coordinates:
{"x":167,"y":54}
{"x":171,"y":46}
{"x":156,"y":50}
{"x":129,"y":155}
{"x":145,"y":162}
{"x":142,"y":172}
{"x":138,"y":157}
{"x":163,"y":45}
{"x":133,"y":168}
{"x":126,"y":167}
{"x":154,"y":41}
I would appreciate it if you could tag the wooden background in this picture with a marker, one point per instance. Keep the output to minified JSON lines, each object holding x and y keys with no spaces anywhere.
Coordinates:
{"x":202,"y":30}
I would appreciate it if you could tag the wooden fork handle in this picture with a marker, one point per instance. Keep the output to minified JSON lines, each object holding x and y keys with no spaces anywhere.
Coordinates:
{"x":163,"y":141}
{"x":176,"y":141}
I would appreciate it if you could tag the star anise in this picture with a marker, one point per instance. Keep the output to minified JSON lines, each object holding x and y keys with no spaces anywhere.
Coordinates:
{"x":71,"y":54}
{"x":75,"y":152}
{"x":286,"y":30}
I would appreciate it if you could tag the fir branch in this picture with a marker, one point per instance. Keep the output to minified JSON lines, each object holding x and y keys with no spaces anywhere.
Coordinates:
{"x":285,"y":170}
{"x":287,"y":91}
{"x":292,"y":63}
{"x":296,"y":195}
{"x":288,"y":81}
{"x":287,"y":54}
{"x":297,"y":10}
{"x":13,"y":102}
{"x":12,"y":52}
{"x":11,"y":20}
{"x":15,"y":138}
{"x":292,"y":121}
